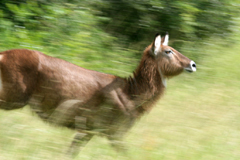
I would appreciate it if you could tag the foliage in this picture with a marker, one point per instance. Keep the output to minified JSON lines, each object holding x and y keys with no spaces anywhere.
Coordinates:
{"x":65,"y":30}
{"x":184,"y":20}
{"x":98,"y":31}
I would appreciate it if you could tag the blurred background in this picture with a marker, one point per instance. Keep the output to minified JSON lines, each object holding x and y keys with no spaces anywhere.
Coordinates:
{"x":199,"y":115}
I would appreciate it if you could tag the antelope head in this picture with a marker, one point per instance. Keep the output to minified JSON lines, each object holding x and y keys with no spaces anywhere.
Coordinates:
{"x":170,"y":62}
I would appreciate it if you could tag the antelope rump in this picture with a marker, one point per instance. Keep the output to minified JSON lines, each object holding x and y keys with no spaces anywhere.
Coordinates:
{"x":85,"y":100}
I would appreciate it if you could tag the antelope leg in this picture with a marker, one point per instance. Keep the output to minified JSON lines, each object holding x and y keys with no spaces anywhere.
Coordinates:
{"x":118,"y":144}
{"x":79,"y":141}
{"x":64,"y":113}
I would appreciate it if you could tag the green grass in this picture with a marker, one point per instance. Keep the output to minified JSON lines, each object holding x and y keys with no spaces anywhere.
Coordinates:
{"x":198,"y":118}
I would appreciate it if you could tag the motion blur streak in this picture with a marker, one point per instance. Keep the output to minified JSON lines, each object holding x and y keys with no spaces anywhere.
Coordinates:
{"x":198,"y":116}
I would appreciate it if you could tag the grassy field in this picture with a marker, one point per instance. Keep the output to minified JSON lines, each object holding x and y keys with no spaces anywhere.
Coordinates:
{"x":198,"y":118}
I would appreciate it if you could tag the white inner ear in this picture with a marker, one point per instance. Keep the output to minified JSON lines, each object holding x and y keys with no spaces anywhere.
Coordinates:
{"x":165,"y":43}
{"x":157,"y":44}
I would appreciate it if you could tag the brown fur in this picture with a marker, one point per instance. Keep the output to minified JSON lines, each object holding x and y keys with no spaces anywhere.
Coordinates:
{"x":88,"y":101}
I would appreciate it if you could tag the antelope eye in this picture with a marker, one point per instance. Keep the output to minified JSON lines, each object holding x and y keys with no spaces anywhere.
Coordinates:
{"x":168,"y":51}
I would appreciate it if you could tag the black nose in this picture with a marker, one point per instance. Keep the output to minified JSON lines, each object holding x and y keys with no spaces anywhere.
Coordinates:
{"x":194,"y":65}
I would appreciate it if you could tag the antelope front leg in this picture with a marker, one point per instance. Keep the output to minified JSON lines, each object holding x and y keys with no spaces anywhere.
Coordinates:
{"x":79,"y":141}
{"x":118,"y":144}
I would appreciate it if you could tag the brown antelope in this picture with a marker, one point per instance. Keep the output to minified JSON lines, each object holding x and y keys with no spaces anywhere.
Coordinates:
{"x":89,"y":101}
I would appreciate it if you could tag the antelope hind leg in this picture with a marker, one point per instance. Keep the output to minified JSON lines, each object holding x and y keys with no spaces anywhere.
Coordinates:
{"x":10,"y":105}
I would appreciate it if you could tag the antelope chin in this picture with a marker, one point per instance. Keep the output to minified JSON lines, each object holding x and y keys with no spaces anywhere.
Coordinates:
{"x":189,"y":70}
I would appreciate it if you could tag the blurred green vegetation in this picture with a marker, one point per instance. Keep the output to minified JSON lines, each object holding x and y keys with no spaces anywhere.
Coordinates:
{"x":101,"y":34}
{"x":198,"y":117}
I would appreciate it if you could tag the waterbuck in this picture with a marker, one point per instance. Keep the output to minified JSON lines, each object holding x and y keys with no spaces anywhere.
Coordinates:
{"x":88,"y":101}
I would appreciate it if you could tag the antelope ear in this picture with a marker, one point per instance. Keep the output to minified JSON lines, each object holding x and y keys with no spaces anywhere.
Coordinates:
{"x":157,"y":44}
{"x":165,"y":41}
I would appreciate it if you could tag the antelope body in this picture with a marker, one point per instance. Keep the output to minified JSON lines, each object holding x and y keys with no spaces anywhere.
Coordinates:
{"x":88,"y":101}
